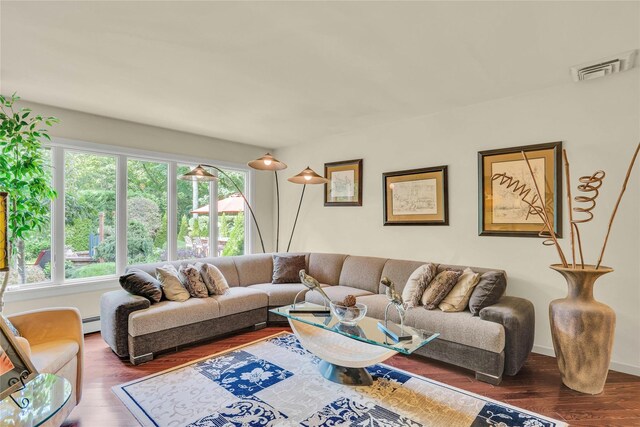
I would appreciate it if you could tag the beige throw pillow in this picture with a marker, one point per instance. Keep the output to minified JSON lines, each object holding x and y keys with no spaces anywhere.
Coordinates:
{"x":171,"y":283}
{"x":213,"y":279}
{"x":458,"y":298}
{"x":417,"y":283}
{"x":439,"y":288}
{"x":193,"y":281}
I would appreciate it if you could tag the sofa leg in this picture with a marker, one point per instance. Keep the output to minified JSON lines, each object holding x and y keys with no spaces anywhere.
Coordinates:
{"x":136,"y":360}
{"x":486,"y":378}
{"x":259,"y":326}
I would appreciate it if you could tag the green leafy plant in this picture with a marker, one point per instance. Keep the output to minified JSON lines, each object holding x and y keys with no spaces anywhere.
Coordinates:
{"x":235,"y":244}
{"x":23,"y":174}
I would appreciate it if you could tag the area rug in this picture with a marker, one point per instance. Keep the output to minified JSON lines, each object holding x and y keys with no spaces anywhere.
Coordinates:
{"x":276,"y":382}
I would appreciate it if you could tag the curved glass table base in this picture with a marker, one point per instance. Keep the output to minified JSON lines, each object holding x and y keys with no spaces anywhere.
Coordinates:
{"x":344,"y":375}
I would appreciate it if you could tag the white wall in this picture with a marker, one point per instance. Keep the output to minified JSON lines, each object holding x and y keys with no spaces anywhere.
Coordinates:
{"x":102,"y":130}
{"x":598,"y":122}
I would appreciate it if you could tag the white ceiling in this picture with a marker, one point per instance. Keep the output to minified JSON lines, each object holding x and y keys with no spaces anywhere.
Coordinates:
{"x":282,"y":73}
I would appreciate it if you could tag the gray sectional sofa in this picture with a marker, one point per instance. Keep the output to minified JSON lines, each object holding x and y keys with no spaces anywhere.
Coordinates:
{"x":496,"y":342}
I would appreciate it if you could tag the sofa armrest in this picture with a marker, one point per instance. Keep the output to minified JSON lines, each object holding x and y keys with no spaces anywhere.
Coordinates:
{"x":115,"y":307}
{"x":517,"y":315}
{"x":53,"y":324}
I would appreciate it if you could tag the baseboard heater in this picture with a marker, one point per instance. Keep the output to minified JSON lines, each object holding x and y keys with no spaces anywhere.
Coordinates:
{"x":91,"y":324}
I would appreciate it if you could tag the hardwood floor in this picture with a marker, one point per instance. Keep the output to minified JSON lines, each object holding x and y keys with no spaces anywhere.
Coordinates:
{"x":537,"y":387}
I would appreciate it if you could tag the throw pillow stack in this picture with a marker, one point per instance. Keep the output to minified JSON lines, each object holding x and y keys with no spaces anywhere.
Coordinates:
{"x":197,"y":280}
{"x":453,"y":290}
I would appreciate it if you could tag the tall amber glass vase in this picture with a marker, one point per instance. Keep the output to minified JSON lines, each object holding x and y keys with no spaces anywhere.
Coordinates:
{"x":582,"y":330}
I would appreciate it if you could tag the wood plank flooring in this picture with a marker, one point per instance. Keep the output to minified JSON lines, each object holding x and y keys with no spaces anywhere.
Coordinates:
{"x":537,"y":387}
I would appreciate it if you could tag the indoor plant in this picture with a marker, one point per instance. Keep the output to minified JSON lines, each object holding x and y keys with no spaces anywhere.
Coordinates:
{"x":581,"y":327}
{"x":23,"y":175}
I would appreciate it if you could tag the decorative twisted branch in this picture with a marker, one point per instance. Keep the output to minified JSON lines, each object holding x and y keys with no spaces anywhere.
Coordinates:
{"x":569,"y":202}
{"x":615,"y":209}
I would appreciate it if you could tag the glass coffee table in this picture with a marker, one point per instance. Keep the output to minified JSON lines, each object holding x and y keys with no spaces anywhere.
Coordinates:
{"x":345,"y":351}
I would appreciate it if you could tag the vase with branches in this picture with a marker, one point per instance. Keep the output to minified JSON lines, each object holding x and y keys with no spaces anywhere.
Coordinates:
{"x":581,"y":327}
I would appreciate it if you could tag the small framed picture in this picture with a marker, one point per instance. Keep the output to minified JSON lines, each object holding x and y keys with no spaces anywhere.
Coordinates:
{"x":15,"y":367}
{"x":506,"y":188}
{"x":345,"y":183}
{"x":416,"y":197}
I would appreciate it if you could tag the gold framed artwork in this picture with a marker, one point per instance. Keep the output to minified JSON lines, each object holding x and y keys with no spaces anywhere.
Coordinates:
{"x":416,"y":197}
{"x":15,"y":367}
{"x":506,"y":188}
{"x":345,"y":183}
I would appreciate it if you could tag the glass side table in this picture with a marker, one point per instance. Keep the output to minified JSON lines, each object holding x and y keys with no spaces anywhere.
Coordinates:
{"x":47,"y":395}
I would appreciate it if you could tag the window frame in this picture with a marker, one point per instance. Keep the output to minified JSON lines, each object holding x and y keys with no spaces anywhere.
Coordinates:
{"x":58,"y":284}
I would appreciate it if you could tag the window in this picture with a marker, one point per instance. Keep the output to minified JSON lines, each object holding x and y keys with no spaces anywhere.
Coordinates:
{"x":146,"y":211}
{"x":192,"y":216}
{"x":108,"y":196}
{"x":90,"y":209}
{"x":231,"y":215}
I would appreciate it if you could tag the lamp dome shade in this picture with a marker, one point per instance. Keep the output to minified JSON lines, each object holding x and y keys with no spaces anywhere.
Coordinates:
{"x":308,"y":176}
{"x":267,"y":163}
{"x":199,"y":173}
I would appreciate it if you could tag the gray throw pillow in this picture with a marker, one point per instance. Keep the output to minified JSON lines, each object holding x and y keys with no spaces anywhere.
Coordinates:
{"x":193,"y":281}
{"x":287,"y":267}
{"x":138,"y":282}
{"x":439,"y":288}
{"x":488,"y":291}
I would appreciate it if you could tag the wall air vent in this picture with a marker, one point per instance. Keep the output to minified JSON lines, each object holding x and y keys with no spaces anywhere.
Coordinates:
{"x":603,"y":67}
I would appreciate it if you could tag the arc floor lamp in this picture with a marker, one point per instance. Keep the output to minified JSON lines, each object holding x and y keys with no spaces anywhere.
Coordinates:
{"x":307,"y":176}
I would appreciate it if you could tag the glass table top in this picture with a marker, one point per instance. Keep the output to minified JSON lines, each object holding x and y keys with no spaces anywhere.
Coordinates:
{"x":367,"y":329}
{"x":47,"y":394}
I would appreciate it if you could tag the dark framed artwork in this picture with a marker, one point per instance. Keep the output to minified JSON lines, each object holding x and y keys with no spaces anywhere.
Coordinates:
{"x":416,"y":197}
{"x":505,"y":187}
{"x":15,"y":367}
{"x":345,"y":183}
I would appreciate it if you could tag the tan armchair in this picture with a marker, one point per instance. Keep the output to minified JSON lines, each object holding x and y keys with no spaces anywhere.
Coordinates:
{"x":55,"y":343}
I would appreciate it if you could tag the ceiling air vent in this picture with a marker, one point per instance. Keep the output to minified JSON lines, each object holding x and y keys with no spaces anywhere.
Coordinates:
{"x":603,"y":67}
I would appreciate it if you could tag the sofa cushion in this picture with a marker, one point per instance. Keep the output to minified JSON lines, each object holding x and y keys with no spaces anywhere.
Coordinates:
{"x":51,"y":356}
{"x":335,"y":293}
{"x":213,"y":278}
{"x":139,"y":282}
{"x":488,"y":291}
{"x":459,"y":327}
{"x":439,"y":288}
{"x":253,"y":269}
{"x":458,"y":298}
{"x":240,"y":299}
{"x":281,"y":294}
{"x":193,"y":281}
{"x":171,"y":314}
{"x":286,"y":268}
{"x":326,"y":268}
{"x":362,"y":272}
{"x":224,"y":264}
{"x":398,"y":271}
{"x":417,"y":284}
{"x":171,"y":282}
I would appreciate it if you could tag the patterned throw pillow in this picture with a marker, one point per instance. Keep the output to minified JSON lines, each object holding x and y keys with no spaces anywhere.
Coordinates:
{"x":138,"y":282}
{"x":193,"y":281}
{"x":171,"y":283}
{"x":287,"y":267}
{"x":458,"y":298}
{"x":439,"y":288}
{"x":213,"y":279}
{"x":417,"y":284}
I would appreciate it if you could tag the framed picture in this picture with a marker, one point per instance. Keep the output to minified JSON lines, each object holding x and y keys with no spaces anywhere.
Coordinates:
{"x":416,"y":197}
{"x":15,"y":367}
{"x":345,"y":183}
{"x":506,"y":188}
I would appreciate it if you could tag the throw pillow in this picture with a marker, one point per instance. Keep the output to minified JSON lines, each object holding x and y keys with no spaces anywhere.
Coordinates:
{"x":488,"y":291}
{"x":417,"y":284}
{"x":287,"y":267}
{"x":12,"y":328}
{"x":439,"y":288}
{"x":138,"y":282}
{"x":213,"y":279}
{"x":171,"y":283}
{"x":193,"y":281}
{"x":458,"y":298}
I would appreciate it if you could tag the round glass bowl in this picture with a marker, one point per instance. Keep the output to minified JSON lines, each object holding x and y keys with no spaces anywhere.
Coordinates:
{"x":349,"y":316}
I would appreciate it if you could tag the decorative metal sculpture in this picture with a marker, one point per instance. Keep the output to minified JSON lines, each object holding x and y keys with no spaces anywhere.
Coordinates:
{"x":313,"y":285}
{"x":395,"y":300}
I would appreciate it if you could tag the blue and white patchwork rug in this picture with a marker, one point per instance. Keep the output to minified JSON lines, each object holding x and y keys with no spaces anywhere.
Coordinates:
{"x":276,"y":382}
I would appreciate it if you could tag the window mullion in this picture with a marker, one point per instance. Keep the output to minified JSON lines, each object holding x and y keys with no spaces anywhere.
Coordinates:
{"x":172,"y":214}
{"x":213,"y":219}
{"x":121,"y":214}
{"x":57,"y":216}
